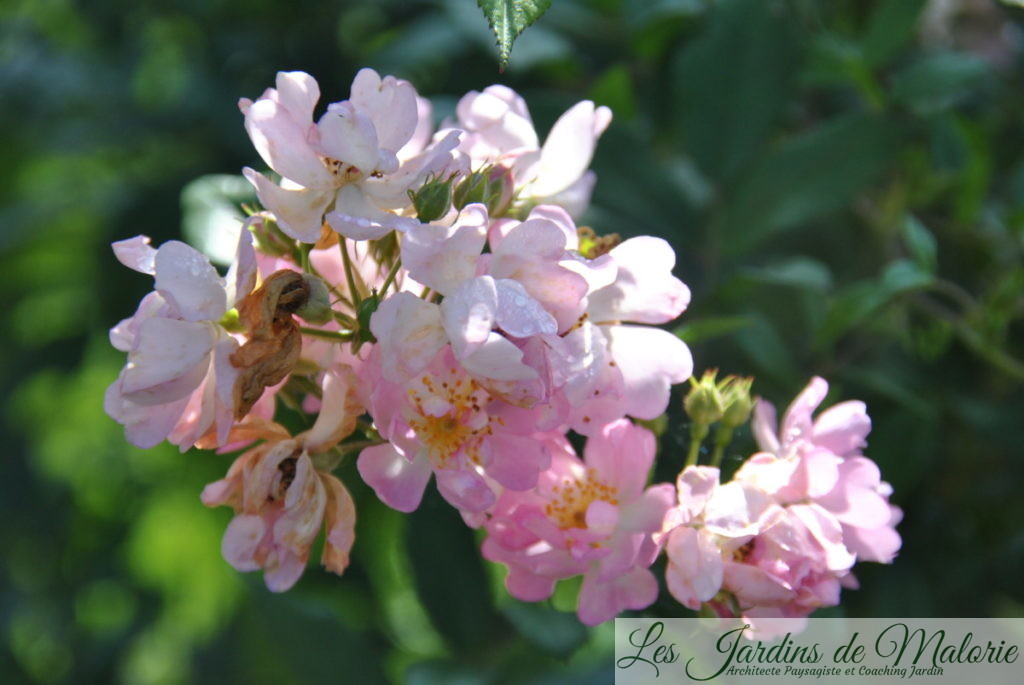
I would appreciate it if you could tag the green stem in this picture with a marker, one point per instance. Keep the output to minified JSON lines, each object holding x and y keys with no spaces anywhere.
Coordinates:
{"x":973,"y":340}
{"x":349,"y":278}
{"x":390,"y":277}
{"x":359,"y":445}
{"x":698,"y":431}
{"x":335,"y":336}
{"x":723,"y":436}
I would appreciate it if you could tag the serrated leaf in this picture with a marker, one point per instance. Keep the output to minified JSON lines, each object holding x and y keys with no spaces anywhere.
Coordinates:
{"x":508,"y":18}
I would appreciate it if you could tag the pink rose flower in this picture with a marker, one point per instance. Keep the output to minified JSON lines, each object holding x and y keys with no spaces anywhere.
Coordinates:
{"x":345,"y":167}
{"x":499,"y":131}
{"x":592,"y":517}
{"x":444,"y":423}
{"x":179,"y":381}
{"x":615,"y":368}
{"x":819,"y":459}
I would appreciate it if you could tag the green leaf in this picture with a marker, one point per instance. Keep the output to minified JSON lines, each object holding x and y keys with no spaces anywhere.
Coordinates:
{"x":797,"y":272}
{"x":891,"y":26}
{"x":449,"y":575}
{"x":771,"y":355}
{"x":211,"y":217}
{"x":733,"y":83}
{"x":713,"y":327}
{"x":920,"y":243}
{"x":508,"y":18}
{"x":807,"y":177}
{"x":938,"y":82}
{"x":857,"y":303}
{"x":566,"y":594}
{"x":553,"y":631}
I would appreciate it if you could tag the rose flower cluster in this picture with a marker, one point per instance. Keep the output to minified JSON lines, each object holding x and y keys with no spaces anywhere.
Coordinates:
{"x":428,"y":296}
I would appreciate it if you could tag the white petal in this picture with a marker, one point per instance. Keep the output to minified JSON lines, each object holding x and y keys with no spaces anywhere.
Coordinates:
{"x":390,"y":104}
{"x":299,"y":213}
{"x":187,"y":280}
{"x":569,"y":148}
{"x":520,"y":315}
{"x":469,"y":314}
{"x":168,"y":362}
{"x":651,"y":361}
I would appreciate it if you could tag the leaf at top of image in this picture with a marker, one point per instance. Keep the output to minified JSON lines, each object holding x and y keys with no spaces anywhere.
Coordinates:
{"x":508,"y":18}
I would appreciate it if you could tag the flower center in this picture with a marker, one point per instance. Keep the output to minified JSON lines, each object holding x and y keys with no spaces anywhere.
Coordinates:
{"x":569,"y":510}
{"x":448,"y":415}
{"x":345,"y":173}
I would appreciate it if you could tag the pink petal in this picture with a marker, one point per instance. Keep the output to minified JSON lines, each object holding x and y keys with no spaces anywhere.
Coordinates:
{"x":499,"y":359}
{"x":144,"y":426}
{"x":443,"y":257}
{"x":695,"y":485}
{"x":469,"y":314}
{"x":241,"y":539}
{"x":737,"y":510}
{"x":299,"y":213}
{"x":602,"y":517}
{"x":465,"y":489}
{"x":410,"y":333}
{"x":875,"y":544}
{"x":856,"y":499}
{"x":516,"y":460}
{"x":600,"y":602}
{"x":827,"y":532}
{"x":764,"y":426}
{"x":283,"y":569}
{"x":241,"y":276}
{"x":843,"y":428}
{"x":753,"y":586}
{"x":528,"y":587}
{"x":297,"y":92}
{"x":135,"y":253}
{"x":622,"y":454}
{"x":337,"y":385}
{"x":647,"y":513}
{"x":797,"y":421}
{"x":498,"y":122}
{"x":694,"y":571}
{"x":398,"y":482}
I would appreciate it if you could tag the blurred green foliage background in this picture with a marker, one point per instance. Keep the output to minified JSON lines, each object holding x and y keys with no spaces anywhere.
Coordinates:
{"x":843,"y":181}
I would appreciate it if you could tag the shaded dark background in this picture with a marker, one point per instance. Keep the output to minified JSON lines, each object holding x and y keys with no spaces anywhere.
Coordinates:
{"x":841,"y":179}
